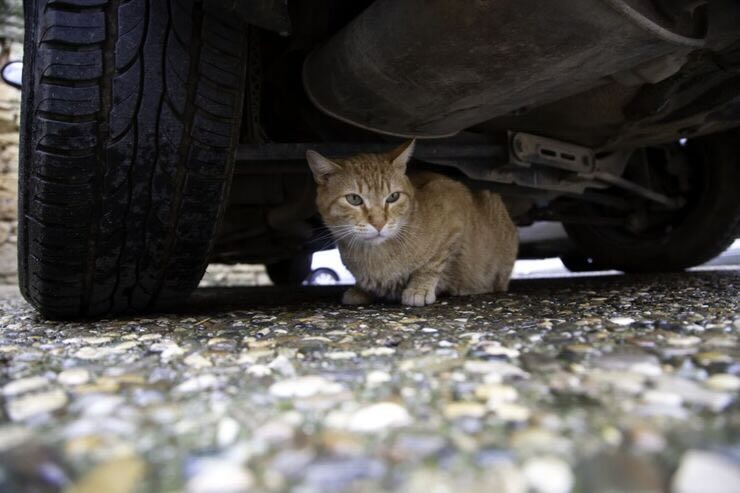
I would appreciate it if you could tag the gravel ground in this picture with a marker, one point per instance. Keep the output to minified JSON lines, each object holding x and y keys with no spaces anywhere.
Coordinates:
{"x":603,"y":384}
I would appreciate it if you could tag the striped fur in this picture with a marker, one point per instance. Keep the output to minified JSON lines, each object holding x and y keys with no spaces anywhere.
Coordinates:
{"x":438,"y":237}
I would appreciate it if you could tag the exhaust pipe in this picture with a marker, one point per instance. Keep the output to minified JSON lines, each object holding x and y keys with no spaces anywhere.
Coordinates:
{"x":431,"y":68}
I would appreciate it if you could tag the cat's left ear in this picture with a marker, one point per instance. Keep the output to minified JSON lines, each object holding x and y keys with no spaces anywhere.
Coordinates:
{"x":400,"y":155}
{"x":321,"y":167}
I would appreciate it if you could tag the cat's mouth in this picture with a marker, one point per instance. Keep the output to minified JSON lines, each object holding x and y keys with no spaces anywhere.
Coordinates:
{"x":375,"y":238}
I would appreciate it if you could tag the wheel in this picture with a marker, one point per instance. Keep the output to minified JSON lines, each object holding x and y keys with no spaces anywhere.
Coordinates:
{"x":291,"y":272}
{"x":323,"y":277}
{"x":705,"y":172}
{"x":131,"y":113}
{"x":579,"y":263}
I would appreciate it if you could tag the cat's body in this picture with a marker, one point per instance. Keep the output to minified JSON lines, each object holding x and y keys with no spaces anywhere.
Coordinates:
{"x":440,"y":237}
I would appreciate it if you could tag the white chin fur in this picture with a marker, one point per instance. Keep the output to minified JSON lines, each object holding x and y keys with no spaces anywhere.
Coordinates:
{"x":373,"y":238}
{"x":376,"y":240}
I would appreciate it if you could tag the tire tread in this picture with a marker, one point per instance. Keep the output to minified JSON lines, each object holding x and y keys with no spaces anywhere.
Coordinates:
{"x":127,"y":159}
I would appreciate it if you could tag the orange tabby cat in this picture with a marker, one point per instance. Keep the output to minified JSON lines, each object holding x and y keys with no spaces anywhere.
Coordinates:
{"x":410,"y":238}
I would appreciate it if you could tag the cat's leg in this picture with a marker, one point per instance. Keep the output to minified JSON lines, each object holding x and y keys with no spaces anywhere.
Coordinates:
{"x":422,"y":288}
{"x":357,"y":296}
{"x":501,"y":282}
{"x":423,"y":284}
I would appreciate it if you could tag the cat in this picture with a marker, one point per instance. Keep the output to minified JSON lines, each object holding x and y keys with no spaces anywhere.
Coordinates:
{"x":411,"y":237}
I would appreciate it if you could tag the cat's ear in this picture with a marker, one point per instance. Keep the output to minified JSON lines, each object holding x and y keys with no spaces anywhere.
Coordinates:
{"x":321,"y":167}
{"x":400,"y":155}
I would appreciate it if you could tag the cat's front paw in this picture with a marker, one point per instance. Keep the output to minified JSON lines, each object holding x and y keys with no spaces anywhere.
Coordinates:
{"x":418,"y":297}
{"x":356,"y":296}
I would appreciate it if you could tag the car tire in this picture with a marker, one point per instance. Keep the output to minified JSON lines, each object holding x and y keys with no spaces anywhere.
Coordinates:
{"x":318,"y":276}
{"x":579,"y":263}
{"x":131,"y":112}
{"x":290,"y":272}
{"x":703,"y":229}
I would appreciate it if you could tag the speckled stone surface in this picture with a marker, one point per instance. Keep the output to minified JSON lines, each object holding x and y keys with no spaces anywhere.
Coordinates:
{"x":604,"y":384}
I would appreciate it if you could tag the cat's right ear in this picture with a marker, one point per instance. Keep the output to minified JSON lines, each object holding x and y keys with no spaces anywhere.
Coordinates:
{"x":400,"y":155}
{"x":321,"y":167}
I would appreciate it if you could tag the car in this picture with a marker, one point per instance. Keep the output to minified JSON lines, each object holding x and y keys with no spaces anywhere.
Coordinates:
{"x":327,"y":269}
{"x":158,"y":137}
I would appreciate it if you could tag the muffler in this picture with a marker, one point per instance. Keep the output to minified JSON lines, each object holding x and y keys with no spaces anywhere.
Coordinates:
{"x":430,"y":68}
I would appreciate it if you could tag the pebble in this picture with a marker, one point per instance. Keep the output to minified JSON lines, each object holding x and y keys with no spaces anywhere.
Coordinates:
{"x":259,"y":371}
{"x":417,"y":446}
{"x":24,"y":385}
{"x":627,"y":382}
{"x":580,"y":349}
{"x":377,"y":377}
{"x":275,"y":433}
{"x":123,"y":347}
{"x":120,"y":475}
{"x":712,"y":357}
{"x":724,"y":382}
{"x":378,"y":351}
{"x":620,"y":472}
{"x":644,"y":438}
{"x":197,"y":361}
{"x":282,"y":365}
{"x":493,"y":392}
{"x":379,"y":417}
{"x":510,"y":412}
{"x":195,"y":384}
{"x":464,"y":409}
{"x":13,"y":436}
{"x":150,"y":337}
{"x":635,"y":362}
{"x":100,"y":405}
{"x":623,"y":321}
{"x":221,"y":344}
{"x":497,"y":350}
{"x":701,"y":471}
{"x":662,"y":398}
{"x":219,"y":476}
{"x":73,"y":376}
{"x":340,"y":355}
{"x":291,"y":463}
{"x":32,"y":405}
{"x":94,"y":341}
{"x":684,"y":341}
{"x":305,"y":387}
{"x":539,"y":440}
{"x":92,"y":353}
{"x":228,"y":431}
{"x":168,"y":349}
{"x":692,"y":393}
{"x":548,"y":475}
{"x":495,"y":367}
{"x":337,"y":474}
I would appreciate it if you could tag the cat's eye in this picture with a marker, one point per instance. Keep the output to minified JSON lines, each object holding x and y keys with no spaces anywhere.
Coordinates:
{"x":393,"y":197}
{"x":353,"y":199}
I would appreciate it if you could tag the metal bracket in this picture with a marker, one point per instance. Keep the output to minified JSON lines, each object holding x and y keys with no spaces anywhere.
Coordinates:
{"x":527,"y":149}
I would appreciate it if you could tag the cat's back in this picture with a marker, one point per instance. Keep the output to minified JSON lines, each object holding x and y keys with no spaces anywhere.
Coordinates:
{"x":439,"y":192}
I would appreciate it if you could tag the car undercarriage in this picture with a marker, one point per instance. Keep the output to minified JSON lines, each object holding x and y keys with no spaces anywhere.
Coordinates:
{"x":161,"y":136}
{"x":552,"y":153}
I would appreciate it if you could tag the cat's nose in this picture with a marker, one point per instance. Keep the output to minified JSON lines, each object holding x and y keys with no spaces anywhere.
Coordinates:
{"x":377,"y":224}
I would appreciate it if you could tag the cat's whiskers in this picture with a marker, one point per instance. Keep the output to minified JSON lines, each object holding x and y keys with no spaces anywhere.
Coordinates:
{"x":334,"y":234}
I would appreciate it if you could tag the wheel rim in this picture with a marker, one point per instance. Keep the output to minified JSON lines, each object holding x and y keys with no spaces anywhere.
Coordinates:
{"x":324,"y":278}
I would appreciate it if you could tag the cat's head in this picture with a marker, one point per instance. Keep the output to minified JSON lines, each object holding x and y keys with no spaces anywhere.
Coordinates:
{"x":365,"y":198}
